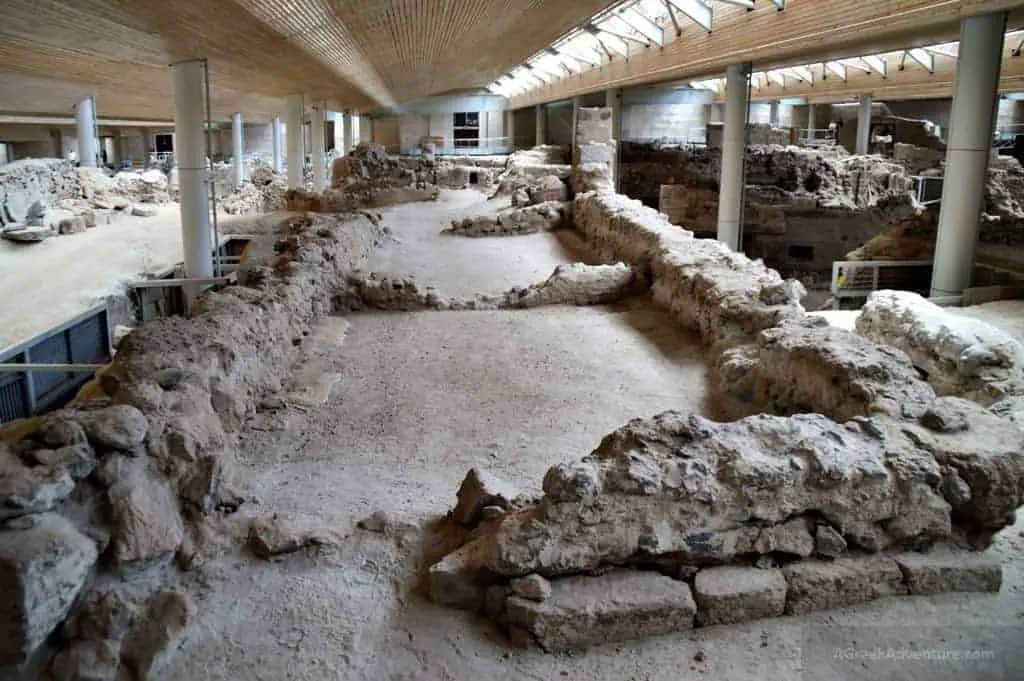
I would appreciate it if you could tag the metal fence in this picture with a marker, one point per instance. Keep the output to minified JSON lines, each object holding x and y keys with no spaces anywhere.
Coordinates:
{"x":85,"y":339}
{"x":860,"y":278}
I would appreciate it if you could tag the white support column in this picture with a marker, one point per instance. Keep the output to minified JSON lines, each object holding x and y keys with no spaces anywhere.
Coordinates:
{"x":975,"y":100}
{"x":276,"y":129}
{"x":576,"y":102}
{"x":85,"y":117}
{"x":773,"y":114}
{"x":346,"y":132}
{"x":542,"y":125}
{"x":293,"y":134}
{"x":510,"y":129}
{"x":864,"y":126}
{"x":237,"y":148}
{"x":613,"y":100}
{"x":190,"y":153}
{"x":734,"y":141}
{"x":316,"y":151}
{"x":810,"y":121}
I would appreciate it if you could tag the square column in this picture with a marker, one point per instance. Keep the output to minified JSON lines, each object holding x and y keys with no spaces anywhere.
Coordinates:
{"x":864,"y":126}
{"x":293,"y":140}
{"x":975,"y":102}
{"x":510,"y":129}
{"x":734,"y":141}
{"x":190,"y":153}
{"x":773,"y":114}
{"x":347,"y":136}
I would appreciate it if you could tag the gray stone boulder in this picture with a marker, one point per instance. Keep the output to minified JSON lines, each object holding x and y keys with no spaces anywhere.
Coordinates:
{"x":147,"y":523}
{"x":27,"y":234}
{"x":72,"y":225}
{"x":479,"y":490}
{"x":121,"y":427}
{"x":143,"y":210}
{"x":44,"y":562}
{"x":25,"y":490}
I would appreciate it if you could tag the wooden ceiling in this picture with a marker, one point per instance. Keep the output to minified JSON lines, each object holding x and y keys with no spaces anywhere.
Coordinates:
{"x":347,"y":53}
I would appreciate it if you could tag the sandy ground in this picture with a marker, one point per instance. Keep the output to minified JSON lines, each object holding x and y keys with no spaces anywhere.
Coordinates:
{"x":420,"y":398}
{"x":43,"y":285}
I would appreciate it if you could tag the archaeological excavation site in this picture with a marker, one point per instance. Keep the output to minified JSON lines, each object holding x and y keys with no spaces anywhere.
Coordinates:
{"x":647,"y":340}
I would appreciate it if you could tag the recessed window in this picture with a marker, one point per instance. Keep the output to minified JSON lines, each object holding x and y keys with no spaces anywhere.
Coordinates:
{"x":164,"y":143}
{"x":466,"y":130}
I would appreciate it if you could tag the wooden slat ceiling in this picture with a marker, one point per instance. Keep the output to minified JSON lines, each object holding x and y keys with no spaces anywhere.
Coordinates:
{"x":347,"y":53}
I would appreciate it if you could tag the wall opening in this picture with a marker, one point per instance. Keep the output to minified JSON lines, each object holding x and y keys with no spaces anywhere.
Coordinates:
{"x":466,"y":130}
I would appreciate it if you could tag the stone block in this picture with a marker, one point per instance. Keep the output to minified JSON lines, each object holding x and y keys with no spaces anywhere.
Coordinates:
{"x":817,"y":585}
{"x":459,"y":581}
{"x":75,"y":225}
{"x":143,"y":210}
{"x":950,"y":571}
{"x":618,"y":606}
{"x":44,"y":562}
{"x":478,"y":490}
{"x":729,"y":594}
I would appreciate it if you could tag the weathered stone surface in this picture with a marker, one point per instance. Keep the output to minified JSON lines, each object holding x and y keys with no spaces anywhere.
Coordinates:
{"x":87,"y":660}
{"x":104,"y":614}
{"x":791,"y":537}
{"x":617,"y":606}
{"x":147,"y":524}
{"x":278,"y":536}
{"x":532,"y":588}
{"x":682,"y":485}
{"x":816,"y":585}
{"x":459,"y":580}
{"x":944,"y":571}
{"x":78,"y":460}
{"x":121,"y":426}
{"x":812,"y":367}
{"x":828,"y":542}
{"x":72,"y":225}
{"x":25,"y":490}
{"x":60,"y":431}
{"x":154,"y":640}
{"x":728,"y":594}
{"x":43,"y":565}
{"x":28,"y":235}
{"x":580,"y":284}
{"x":481,"y":488}
{"x":962,"y":356}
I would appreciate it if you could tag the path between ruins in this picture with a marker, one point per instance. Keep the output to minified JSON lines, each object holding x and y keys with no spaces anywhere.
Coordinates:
{"x":421,"y":397}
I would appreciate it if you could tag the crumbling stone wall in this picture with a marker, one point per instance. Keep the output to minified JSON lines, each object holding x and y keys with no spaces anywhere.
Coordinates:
{"x":842,"y":479}
{"x":125,"y":484}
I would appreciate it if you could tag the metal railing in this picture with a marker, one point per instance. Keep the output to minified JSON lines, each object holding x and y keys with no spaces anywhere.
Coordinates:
{"x":816,"y":137}
{"x":860,"y":278}
{"x":484,"y":146}
{"x":72,"y":350}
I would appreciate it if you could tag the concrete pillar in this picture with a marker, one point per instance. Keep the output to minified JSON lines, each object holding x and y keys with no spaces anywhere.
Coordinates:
{"x":346,"y":132}
{"x":85,"y":118}
{"x":613,"y":100}
{"x":190,"y":153}
{"x":510,"y":129}
{"x":542,"y":125}
{"x":293,"y":134}
{"x":975,"y":98}
{"x":864,"y":126}
{"x":237,"y":148}
{"x":118,"y":145}
{"x":316,"y":149}
{"x":576,"y":103}
{"x":773,"y":114}
{"x":810,"y":119}
{"x":276,"y":131}
{"x":734,"y":141}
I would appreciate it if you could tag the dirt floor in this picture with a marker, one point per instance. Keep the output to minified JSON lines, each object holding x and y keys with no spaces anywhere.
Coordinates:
{"x":417,"y":399}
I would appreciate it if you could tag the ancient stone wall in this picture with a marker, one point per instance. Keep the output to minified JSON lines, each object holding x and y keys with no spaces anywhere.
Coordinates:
{"x":125,"y":484}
